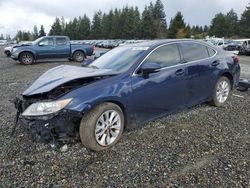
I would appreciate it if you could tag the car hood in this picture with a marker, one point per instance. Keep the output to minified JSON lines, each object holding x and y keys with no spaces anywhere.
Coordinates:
{"x":61,"y":75}
{"x":21,"y":45}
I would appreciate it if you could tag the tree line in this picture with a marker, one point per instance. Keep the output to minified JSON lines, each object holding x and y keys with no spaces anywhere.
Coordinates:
{"x":129,"y":23}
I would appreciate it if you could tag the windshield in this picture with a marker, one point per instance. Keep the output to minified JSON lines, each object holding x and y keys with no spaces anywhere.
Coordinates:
{"x":37,"y":40}
{"x":119,"y":59}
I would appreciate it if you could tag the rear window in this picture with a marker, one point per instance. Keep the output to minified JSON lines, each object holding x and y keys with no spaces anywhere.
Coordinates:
{"x":194,"y":51}
{"x":61,"y":41}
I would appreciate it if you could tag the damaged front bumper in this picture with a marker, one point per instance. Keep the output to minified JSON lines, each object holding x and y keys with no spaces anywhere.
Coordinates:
{"x":62,"y":126}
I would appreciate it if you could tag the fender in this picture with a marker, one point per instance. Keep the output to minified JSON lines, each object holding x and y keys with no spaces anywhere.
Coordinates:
{"x":28,"y":50}
{"x":78,"y":49}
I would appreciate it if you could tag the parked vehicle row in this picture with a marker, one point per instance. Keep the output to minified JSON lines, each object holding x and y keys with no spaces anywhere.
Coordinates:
{"x":111,"y":43}
{"x":49,"y":47}
{"x":239,"y":46}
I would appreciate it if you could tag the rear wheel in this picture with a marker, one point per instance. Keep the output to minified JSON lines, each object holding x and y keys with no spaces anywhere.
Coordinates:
{"x":102,"y":127}
{"x":78,"y":56}
{"x":26,"y":58}
{"x":221,"y":91}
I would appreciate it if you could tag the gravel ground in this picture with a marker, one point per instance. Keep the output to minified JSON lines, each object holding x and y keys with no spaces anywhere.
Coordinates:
{"x":199,"y":147}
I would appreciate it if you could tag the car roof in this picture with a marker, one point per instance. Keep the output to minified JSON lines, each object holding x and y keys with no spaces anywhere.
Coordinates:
{"x":153,"y":43}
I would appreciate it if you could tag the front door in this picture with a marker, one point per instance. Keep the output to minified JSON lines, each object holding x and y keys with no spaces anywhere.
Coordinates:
{"x":164,"y":91}
{"x":46,"y":49}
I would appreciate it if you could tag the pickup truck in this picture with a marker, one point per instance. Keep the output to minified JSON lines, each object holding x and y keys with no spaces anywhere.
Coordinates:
{"x":49,"y":47}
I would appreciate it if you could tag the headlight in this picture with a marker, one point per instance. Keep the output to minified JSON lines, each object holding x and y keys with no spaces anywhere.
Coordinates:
{"x":45,"y":108}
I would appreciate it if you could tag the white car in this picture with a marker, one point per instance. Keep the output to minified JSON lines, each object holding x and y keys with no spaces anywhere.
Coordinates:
{"x":7,"y":51}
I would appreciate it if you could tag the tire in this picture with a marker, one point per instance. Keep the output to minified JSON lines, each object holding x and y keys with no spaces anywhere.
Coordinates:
{"x":78,"y":56}
{"x":221,"y":91}
{"x":7,"y":53}
{"x":26,"y":58}
{"x":93,"y":135}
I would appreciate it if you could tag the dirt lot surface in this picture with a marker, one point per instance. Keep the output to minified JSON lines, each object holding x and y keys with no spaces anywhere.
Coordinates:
{"x":202,"y":147}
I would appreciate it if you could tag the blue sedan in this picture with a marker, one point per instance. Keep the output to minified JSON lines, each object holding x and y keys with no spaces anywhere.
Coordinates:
{"x":125,"y":88}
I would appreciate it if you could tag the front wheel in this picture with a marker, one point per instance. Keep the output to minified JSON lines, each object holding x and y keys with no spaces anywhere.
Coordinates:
{"x":102,"y":127}
{"x":26,"y":58}
{"x":78,"y":56}
{"x":221,"y":91}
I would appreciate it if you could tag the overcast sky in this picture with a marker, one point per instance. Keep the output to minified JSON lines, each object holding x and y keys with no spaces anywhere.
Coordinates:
{"x":24,"y":14}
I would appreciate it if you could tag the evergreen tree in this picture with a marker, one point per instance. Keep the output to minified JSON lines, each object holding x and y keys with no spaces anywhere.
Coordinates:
{"x":177,"y":24}
{"x":232,"y":22}
{"x":107,"y":24}
{"x":136,"y":23}
{"x":96,"y":29}
{"x":26,"y":36}
{"x":219,"y":26}
{"x":8,"y":38}
{"x":159,"y":17}
{"x":1,"y":37}
{"x":244,"y":23}
{"x":42,"y":32}
{"x":205,"y":29}
{"x":127,"y":23}
{"x":68,"y":29}
{"x":35,"y":32}
{"x":116,"y":24}
{"x":63,"y":25}
{"x":56,"y":28}
{"x":74,"y":35}
{"x":147,"y":23}
{"x":85,"y":22}
{"x":19,"y":36}
{"x":188,"y":31}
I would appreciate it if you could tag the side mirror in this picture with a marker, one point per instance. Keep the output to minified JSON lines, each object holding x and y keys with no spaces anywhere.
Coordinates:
{"x":149,"y":68}
{"x":40,"y":44}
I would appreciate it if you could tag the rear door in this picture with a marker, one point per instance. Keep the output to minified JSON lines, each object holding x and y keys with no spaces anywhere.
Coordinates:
{"x":46,"y":48}
{"x":163,"y":91}
{"x":201,"y":66}
{"x":62,"y":47}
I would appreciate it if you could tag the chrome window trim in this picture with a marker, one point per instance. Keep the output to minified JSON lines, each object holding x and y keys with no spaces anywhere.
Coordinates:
{"x":178,"y":42}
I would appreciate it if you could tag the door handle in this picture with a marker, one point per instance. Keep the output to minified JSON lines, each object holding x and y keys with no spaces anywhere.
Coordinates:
{"x":215,"y":63}
{"x":179,"y":72}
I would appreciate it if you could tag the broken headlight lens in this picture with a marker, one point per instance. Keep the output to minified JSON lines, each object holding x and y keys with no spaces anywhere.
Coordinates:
{"x":45,"y":108}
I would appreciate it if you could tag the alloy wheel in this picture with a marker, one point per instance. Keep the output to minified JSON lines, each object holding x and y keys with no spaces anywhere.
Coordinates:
{"x":222,"y":91}
{"x":108,"y":127}
{"x":27,"y":59}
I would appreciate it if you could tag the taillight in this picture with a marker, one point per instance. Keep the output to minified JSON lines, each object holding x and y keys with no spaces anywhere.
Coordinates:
{"x":93,"y":47}
{"x":236,"y":59}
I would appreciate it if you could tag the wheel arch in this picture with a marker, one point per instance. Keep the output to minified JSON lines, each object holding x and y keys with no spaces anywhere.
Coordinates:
{"x":26,"y":51}
{"x":230,"y":77}
{"x":76,"y":50}
{"x":114,"y":101}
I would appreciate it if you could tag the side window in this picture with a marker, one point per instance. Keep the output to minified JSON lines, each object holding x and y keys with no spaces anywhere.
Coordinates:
{"x":165,"y":56}
{"x":211,"y":52}
{"x":194,"y":51}
{"x":61,"y":41}
{"x":47,"y":42}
